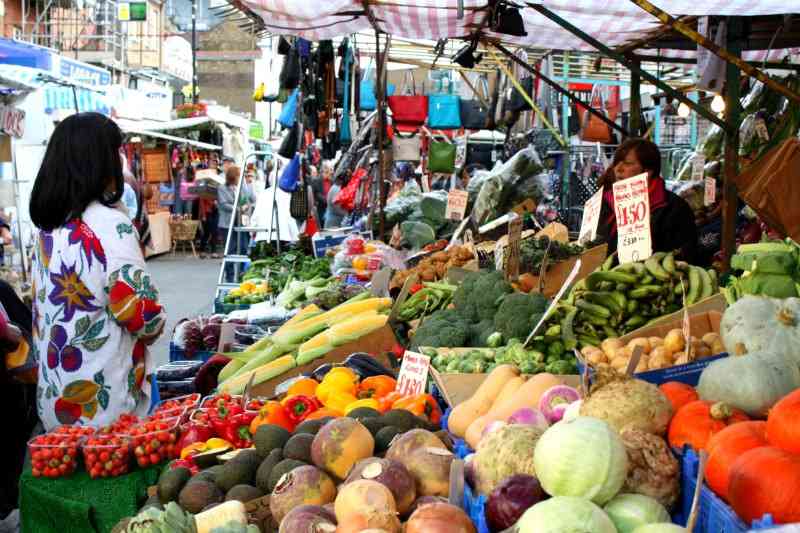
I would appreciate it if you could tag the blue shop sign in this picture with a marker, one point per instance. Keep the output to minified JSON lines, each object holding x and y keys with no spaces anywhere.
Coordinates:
{"x":83,"y":72}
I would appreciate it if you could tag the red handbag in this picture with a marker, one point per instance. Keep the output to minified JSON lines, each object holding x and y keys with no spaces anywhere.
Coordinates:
{"x":346,"y":199}
{"x":409,"y":108}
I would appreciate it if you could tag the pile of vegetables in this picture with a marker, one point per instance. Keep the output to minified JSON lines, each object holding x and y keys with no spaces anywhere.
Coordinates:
{"x":248,"y":292}
{"x":766,"y":269}
{"x":434,"y":267}
{"x":532,"y":253}
{"x":426,"y":298}
{"x":198,"y":334}
{"x":484,"y":360}
{"x":276,"y":270}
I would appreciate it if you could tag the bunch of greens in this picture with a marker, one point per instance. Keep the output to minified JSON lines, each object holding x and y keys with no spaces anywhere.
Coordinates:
{"x":531,"y":252}
{"x":427,"y":298}
{"x":278,"y":269}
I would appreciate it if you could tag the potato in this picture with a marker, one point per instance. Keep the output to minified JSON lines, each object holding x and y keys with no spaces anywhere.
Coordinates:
{"x":655,"y":341}
{"x":717,"y":347}
{"x":644,"y":343}
{"x":596,"y":357}
{"x":586,"y":350}
{"x":659,"y":352}
{"x":622,"y":351}
{"x":610,"y":345}
{"x":620,"y":364}
{"x":659,"y":360}
{"x":710,"y":338}
{"x":681,"y":358}
{"x":674,"y":341}
{"x":703,"y":351}
{"x":644,"y":364}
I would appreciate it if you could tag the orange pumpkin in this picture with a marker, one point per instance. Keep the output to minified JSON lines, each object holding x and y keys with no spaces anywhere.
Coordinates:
{"x":726,"y":446}
{"x":678,"y":394}
{"x":766,"y":480}
{"x":697,"y":421}
{"x":783,"y":423}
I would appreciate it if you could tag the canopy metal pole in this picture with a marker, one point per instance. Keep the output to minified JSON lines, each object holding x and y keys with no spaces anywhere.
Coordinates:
{"x":635,"y":111}
{"x":630,"y":64}
{"x":730,"y":198}
{"x":19,"y":218}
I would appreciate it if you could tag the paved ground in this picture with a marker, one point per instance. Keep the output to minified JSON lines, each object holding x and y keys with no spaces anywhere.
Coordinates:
{"x":186,"y":286}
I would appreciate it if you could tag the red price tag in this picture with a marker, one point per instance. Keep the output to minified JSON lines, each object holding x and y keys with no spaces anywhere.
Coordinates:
{"x":632,"y":204}
{"x":413,"y":374}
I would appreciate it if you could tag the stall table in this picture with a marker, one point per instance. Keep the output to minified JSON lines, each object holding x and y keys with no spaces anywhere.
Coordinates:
{"x":79,"y":503}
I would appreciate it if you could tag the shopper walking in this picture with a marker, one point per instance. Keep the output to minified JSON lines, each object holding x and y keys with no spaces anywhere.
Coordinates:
{"x":334,"y":214}
{"x":96,"y":308}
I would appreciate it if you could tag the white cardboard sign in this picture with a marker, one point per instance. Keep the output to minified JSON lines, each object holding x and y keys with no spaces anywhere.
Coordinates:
{"x":456,"y":204}
{"x":632,"y":206}
{"x":710,"y":192}
{"x":698,"y":166}
{"x":591,"y":216}
{"x":413,"y":374}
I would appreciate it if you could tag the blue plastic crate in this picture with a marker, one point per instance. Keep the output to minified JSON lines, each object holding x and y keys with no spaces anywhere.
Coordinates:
{"x":179,"y":354}
{"x":714,"y":516}
{"x":688,"y":373}
{"x":460,"y":447}
{"x":474,"y":505}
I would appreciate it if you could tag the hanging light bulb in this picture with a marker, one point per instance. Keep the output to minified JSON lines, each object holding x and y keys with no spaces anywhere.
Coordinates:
{"x":718,"y":104}
{"x":684,"y":110}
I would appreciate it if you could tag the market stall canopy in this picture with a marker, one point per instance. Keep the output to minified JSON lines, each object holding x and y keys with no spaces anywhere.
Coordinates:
{"x":154,"y":125}
{"x":158,"y":135}
{"x":613,"y":23}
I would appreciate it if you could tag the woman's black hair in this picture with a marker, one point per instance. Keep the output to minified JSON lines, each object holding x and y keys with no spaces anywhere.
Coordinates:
{"x":82,"y":164}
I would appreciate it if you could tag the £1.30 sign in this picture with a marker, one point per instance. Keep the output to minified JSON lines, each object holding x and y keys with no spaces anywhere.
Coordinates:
{"x":632,"y":209}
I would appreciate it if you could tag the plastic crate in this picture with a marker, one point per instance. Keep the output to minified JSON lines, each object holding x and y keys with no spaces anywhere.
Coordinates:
{"x":460,"y":447}
{"x":714,"y":516}
{"x":688,"y":373}
{"x":179,"y":354}
{"x":474,"y":505}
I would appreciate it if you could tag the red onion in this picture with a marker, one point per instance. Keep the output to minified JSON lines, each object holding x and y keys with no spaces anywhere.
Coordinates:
{"x":509,"y":501}
{"x":555,"y":400}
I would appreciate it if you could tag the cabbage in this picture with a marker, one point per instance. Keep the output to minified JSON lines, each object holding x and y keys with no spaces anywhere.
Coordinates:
{"x":583,"y":457}
{"x":417,"y":234}
{"x":565,"y":514}
{"x":629,"y":511}
{"x":660,"y":528}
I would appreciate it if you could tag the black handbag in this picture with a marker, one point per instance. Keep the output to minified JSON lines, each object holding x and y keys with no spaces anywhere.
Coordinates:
{"x":284,"y":45}
{"x":518,"y":103}
{"x":474,"y":112}
{"x":298,"y":204}
{"x":291,"y":142}
{"x":290,"y":73}
{"x":482,"y":154}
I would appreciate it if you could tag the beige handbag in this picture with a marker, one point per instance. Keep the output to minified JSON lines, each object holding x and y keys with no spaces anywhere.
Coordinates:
{"x":406,"y":148}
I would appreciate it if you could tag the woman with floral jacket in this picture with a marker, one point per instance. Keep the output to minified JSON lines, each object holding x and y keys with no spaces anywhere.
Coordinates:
{"x":95,"y":308}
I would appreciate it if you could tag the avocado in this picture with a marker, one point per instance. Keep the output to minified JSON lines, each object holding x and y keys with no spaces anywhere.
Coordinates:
{"x":198,"y":495}
{"x":360,"y":413}
{"x":264,"y":470}
{"x":205,"y":475}
{"x":299,"y":447}
{"x":212,"y":472}
{"x":374,"y":425}
{"x":243,"y":493}
{"x":170,"y":484}
{"x":235,"y":473}
{"x":285,"y":466}
{"x":384,"y":438}
{"x":249,"y":457}
{"x":309,"y":426}
{"x":268,"y":437}
{"x":209,"y":458}
{"x":401,"y":419}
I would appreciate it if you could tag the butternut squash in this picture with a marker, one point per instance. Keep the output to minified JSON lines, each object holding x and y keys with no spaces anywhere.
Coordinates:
{"x":479,"y":404}
{"x":527,"y":395}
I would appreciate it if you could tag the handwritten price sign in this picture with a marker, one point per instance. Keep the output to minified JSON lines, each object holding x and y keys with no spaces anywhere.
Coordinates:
{"x":632,"y":204}
{"x":413,"y":374}
{"x":709,"y":192}
{"x":591,"y":216}
{"x":456,"y":205}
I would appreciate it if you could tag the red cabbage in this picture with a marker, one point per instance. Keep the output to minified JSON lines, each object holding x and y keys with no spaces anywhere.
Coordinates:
{"x":509,"y":501}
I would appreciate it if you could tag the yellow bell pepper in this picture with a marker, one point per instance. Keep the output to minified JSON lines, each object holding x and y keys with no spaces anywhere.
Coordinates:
{"x":339,"y":401}
{"x":216,"y":442}
{"x":340,"y":373}
{"x":195,"y":447}
{"x":338,"y":380}
{"x":366,"y":402}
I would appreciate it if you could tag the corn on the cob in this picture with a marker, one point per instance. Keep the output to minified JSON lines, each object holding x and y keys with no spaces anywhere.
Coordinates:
{"x":342,"y":333}
{"x":236,"y":385}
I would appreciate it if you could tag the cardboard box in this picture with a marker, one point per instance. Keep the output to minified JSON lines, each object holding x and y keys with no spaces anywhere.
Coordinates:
{"x":715,"y":303}
{"x":557,"y":274}
{"x":378,"y":343}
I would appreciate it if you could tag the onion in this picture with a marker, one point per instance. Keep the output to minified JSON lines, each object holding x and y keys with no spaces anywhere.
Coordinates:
{"x":366,"y":502}
{"x":530,"y":417}
{"x":509,"y":501}
{"x":555,"y":400}
{"x":439,"y":518}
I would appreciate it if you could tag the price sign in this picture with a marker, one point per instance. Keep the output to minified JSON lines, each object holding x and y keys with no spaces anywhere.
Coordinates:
{"x":761,"y":129}
{"x":456,"y":205}
{"x":632,"y":205}
{"x":698,"y":165}
{"x":710,"y":194}
{"x":559,"y":294}
{"x":514,"y":236}
{"x":591,"y":216}
{"x":332,"y":125}
{"x":413,"y":374}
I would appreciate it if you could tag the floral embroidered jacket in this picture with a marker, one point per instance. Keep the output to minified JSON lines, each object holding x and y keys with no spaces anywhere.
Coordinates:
{"x":95,"y":310}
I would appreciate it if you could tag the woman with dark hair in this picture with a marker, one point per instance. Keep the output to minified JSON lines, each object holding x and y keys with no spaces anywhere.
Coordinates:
{"x":672,"y":224}
{"x":95,"y":308}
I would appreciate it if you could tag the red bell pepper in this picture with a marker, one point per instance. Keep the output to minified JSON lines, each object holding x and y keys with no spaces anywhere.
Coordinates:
{"x":299,"y":407}
{"x":220,"y":417}
{"x":195,"y":433}
{"x":237,"y":430}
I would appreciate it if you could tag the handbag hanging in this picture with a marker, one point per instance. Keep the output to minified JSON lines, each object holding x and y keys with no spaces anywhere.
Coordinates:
{"x":518,"y":102}
{"x":442,"y":157}
{"x":593,"y":129}
{"x":291,"y":142}
{"x":290,"y":176}
{"x":406,"y":147}
{"x":290,"y":73}
{"x":444,"y":111}
{"x":474,"y":112}
{"x":483,"y":154}
{"x":409,"y":108}
{"x":298,"y":204}
{"x":289,"y":110}
{"x":345,"y":135}
{"x":367,"y":100}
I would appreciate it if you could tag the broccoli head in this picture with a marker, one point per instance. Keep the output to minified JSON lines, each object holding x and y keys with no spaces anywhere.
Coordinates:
{"x":479,"y":333}
{"x":518,"y":314}
{"x":462,"y":298}
{"x":442,"y":328}
{"x":488,"y":293}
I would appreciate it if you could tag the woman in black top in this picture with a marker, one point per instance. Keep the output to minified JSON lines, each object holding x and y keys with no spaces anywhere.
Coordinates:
{"x":672,"y":225}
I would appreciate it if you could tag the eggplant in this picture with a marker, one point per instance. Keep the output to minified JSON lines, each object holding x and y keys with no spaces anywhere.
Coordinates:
{"x":320,"y":371}
{"x":366,"y":366}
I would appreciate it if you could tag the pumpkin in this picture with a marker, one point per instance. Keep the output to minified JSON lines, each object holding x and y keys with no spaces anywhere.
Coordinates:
{"x":759,"y":324}
{"x":726,"y":446}
{"x":678,"y":394}
{"x":766,"y":480}
{"x":697,"y":421}
{"x":783,"y":423}
{"x":752,"y":383}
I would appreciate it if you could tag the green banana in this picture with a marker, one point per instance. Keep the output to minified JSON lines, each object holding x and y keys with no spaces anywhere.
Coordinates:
{"x":668,"y":264}
{"x":593,"y":309}
{"x":644,"y":291}
{"x":604,"y":299}
{"x":595,"y":278}
{"x":695,"y":286}
{"x":707,"y":287}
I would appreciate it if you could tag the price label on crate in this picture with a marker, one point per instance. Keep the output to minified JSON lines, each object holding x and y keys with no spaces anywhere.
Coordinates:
{"x":632,"y":204}
{"x":514,"y":236}
{"x":456,"y":205}
{"x":698,"y":166}
{"x":591,"y":216}
{"x":710,"y":192}
{"x":413,"y":374}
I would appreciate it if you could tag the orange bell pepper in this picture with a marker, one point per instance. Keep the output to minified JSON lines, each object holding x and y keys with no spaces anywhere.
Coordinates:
{"x":420,"y":405}
{"x":376,"y":387}
{"x":303,"y":387}
{"x":385,"y":402}
{"x":322,"y":413}
{"x":272,"y":413}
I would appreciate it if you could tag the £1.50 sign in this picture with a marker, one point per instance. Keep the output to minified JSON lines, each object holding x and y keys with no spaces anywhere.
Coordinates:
{"x":413,"y":374}
{"x":632,"y":209}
